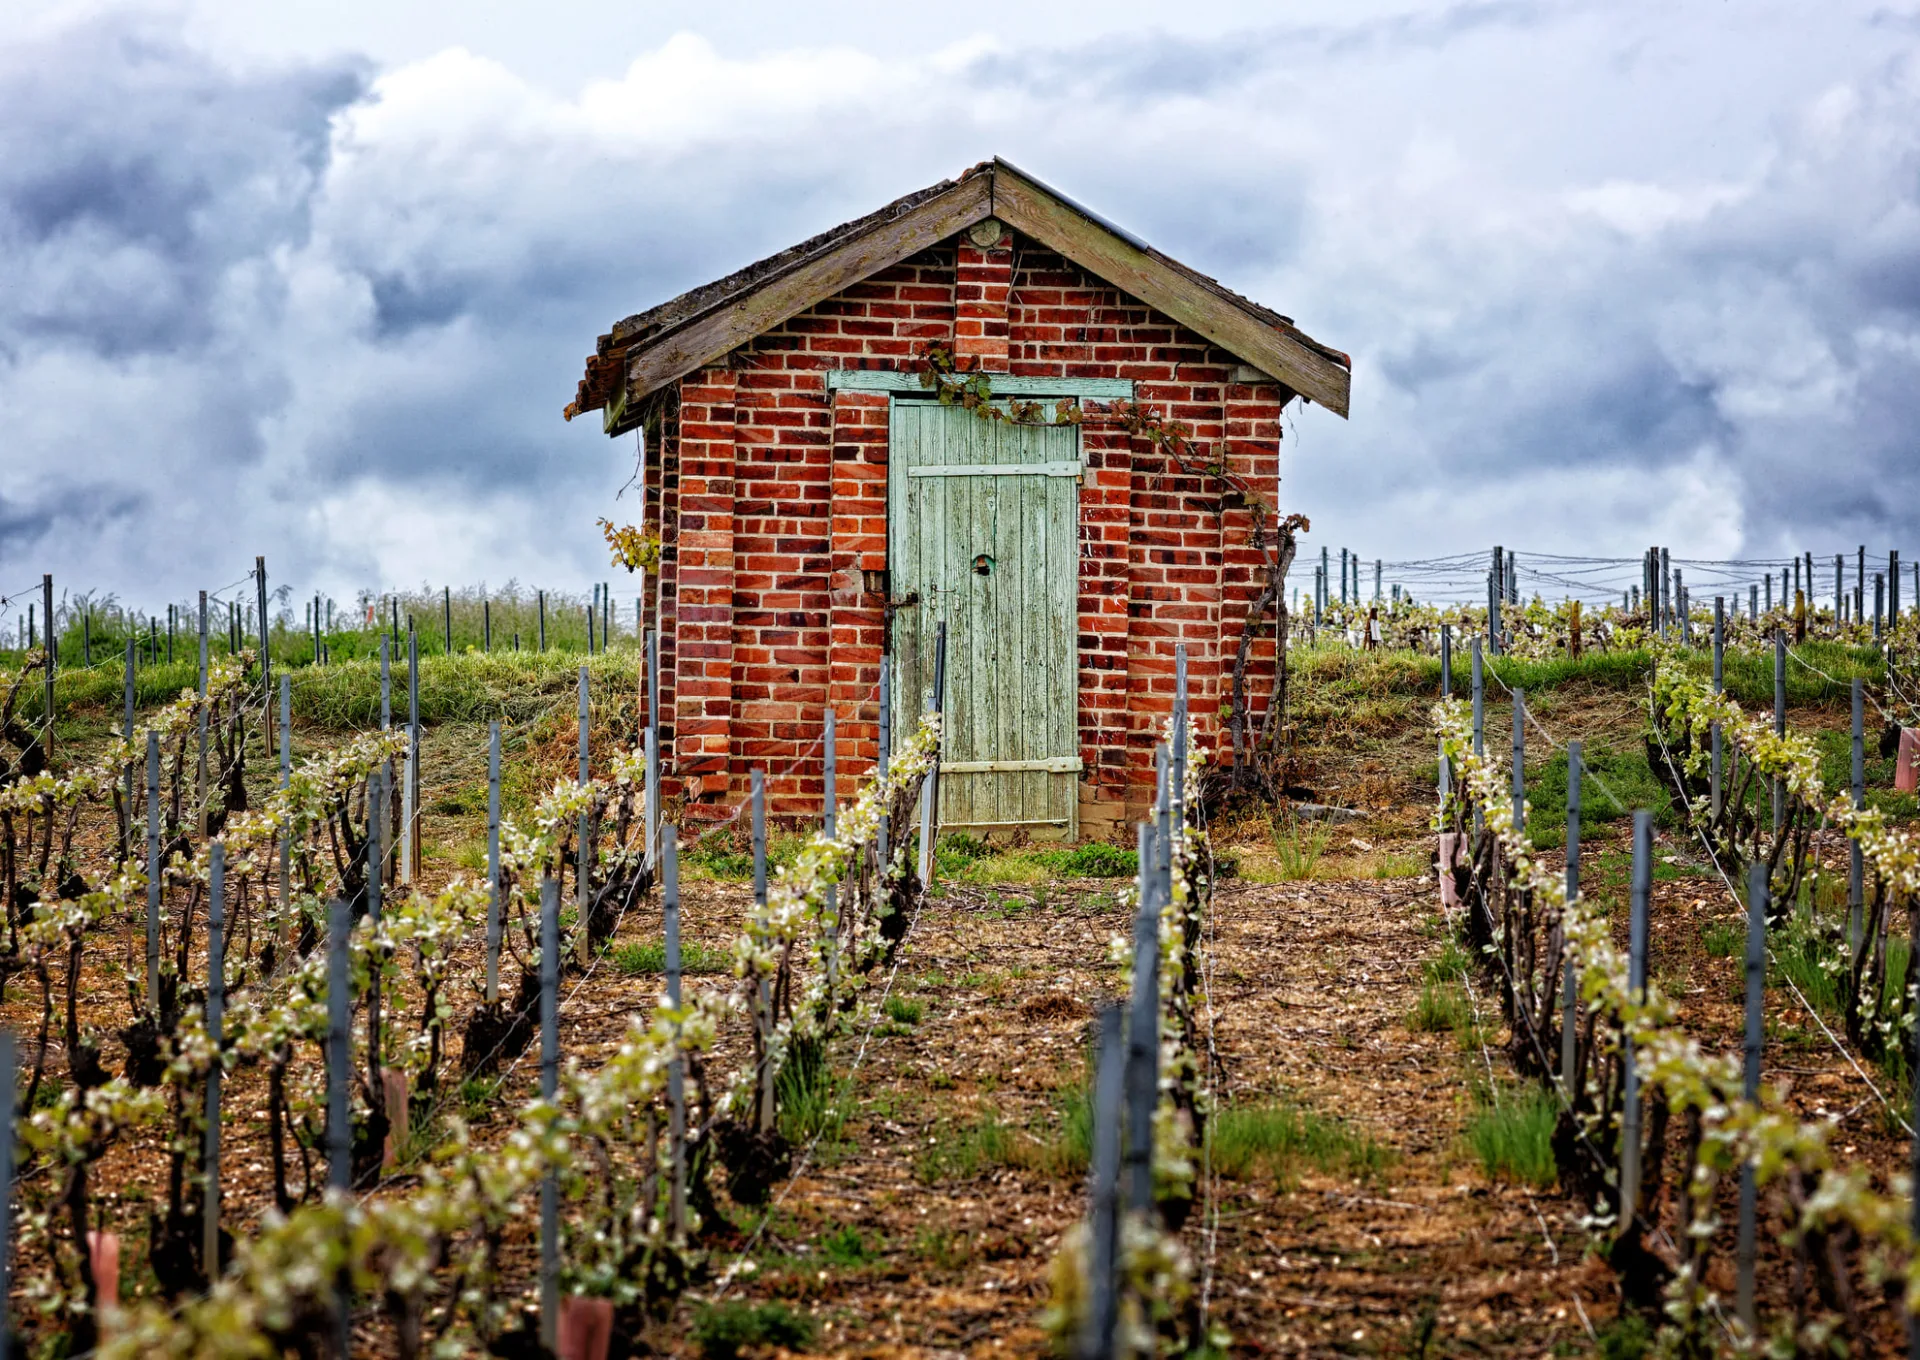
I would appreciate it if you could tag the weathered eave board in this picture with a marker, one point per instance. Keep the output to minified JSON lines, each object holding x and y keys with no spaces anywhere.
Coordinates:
{"x":1029,"y":208}
{"x":703,"y":339}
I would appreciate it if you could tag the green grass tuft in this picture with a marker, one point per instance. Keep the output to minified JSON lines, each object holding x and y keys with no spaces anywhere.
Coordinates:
{"x":650,"y":956}
{"x":814,"y":1101}
{"x":1513,"y":1138}
{"x":1441,"y":1009}
{"x":903,"y":1010}
{"x":1298,"y":847}
{"x":723,"y":1330}
{"x":1279,"y":1139}
{"x":1625,"y":773}
{"x":1722,"y":940}
{"x":1096,"y":859}
{"x":964,"y":1151}
{"x":846,"y":1248}
{"x":1449,"y":965}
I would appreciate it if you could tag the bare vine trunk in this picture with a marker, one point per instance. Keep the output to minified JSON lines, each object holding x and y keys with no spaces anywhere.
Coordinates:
{"x":1252,"y":750}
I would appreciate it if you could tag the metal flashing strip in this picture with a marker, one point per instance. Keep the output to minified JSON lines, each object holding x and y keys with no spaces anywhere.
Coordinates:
{"x":1050,"y":765}
{"x":1063,"y":469}
{"x":1004,"y":384}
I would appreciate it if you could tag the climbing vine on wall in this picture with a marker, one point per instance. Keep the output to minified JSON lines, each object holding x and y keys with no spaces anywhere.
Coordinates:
{"x":1275,"y":536}
{"x":634,"y":549}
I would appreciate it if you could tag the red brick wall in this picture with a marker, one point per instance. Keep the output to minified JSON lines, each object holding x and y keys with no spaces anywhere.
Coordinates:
{"x":780,"y":502}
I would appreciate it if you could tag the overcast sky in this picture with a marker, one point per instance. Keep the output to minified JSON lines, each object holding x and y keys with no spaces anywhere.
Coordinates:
{"x":314,"y":280}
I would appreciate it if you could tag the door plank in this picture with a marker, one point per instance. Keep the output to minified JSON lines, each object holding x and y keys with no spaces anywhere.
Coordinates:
{"x":960,"y":485}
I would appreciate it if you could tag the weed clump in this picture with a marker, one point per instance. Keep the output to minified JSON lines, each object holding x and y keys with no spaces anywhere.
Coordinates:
{"x":1280,"y":1139}
{"x":650,"y":956}
{"x":723,"y":1330}
{"x":1512,"y":1135}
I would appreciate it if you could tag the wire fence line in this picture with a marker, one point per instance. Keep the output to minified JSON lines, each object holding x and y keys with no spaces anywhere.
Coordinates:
{"x":1462,"y":577}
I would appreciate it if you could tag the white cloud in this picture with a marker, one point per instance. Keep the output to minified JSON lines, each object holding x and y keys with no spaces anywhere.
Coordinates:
{"x":1605,"y":282}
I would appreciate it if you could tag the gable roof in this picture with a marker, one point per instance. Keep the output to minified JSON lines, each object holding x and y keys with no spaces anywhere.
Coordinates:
{"x":657,"y":347}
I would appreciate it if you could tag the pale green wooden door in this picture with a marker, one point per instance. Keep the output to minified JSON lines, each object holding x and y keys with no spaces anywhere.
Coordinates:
{"x":981,"y":518}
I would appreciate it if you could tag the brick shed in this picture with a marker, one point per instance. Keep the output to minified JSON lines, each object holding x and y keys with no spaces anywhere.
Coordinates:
{"x":821,"y":508}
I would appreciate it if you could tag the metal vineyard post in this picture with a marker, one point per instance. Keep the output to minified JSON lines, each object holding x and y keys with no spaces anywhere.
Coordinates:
{"x":764,"y":1017}
{"x":216,"y":1008}
{"x":653,"y":745}
{"x":830,"y":918}
{"x":583,"y":848}
{"x":126,"y":733}
{"x":1745,"y":1249}
{"x":930,"y":791}
{"x":1143,"y":1023}
{"x":1519,"y":760}
{"x":549,"y":1087}
{"x":1779,"y":719}
{"x":1096,"y":1340}
{"x":1636,"y":986}
{"x":676,"y":1066}
{"x":200,"y":765}
{"x":1180,"y":733}
{"x":8,"y":1072}
{"x":412,"y":854}
{"x":339,"y":1037}
{"x":1494,"y":588}
{"x":1719,"y":652}
{"x":1856,"y":868}
{"x":493,"y":862}
{"x":266,"y":658}
{"x":286,"y":834}
{"x":881,"y":854}
{"x":53,"y":656}
{"x":376,"y":814}
{"x":1569,"y":984}
{"x":153,"y":873}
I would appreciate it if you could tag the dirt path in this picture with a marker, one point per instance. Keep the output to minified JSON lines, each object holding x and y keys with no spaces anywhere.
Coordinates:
{"x":1313,"y":987}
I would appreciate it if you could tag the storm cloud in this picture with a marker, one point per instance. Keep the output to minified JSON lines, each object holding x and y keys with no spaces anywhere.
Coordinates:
{"x":1610,"y":275}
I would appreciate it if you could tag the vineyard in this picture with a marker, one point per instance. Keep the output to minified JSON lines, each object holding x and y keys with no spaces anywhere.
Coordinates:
{"x":374,"y":1001}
